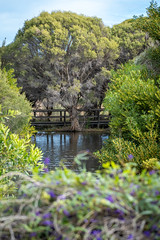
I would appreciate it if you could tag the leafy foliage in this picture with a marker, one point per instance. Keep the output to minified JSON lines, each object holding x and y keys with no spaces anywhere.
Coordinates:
{"x":144,"y":152}
{"x":151,"y":23}
{"x":131,"y":40}
{"x":11,"y":99}
{"x":16,"y":154}
{"x":151,"y":59}
{"x":115,"y":204}
{"x":133,"y":101}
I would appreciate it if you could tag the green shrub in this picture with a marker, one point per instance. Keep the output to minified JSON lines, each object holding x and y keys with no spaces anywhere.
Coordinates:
{"x":16,"y":154}
{"x":62,"y":204}
{"x":145,"y":152}
{"x":133,"y":101}
{"x":11,"y":99}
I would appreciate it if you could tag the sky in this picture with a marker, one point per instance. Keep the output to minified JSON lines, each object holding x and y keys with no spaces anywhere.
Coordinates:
{"x":13,"y":13}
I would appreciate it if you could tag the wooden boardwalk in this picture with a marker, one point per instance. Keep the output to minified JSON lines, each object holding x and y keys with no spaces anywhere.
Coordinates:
{"x":60,"y":117}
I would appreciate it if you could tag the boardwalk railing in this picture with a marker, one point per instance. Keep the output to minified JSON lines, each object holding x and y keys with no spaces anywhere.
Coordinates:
{"x":60,"y":117}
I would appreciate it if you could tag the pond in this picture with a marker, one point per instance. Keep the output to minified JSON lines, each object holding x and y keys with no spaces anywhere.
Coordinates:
{"x":65,"y":146}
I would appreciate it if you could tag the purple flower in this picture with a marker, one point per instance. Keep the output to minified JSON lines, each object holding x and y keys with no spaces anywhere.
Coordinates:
{"x":119,"y":171}
{"x":47,"y":223}
{"x":130,"y":156}
{"x":110,"y":199}
{"x":59,"y":238}
{"x":130,"y":237}
{"x":86,"y":221}
{"x":147,"y":233}
{"x":52,"y":194}
{"x":62,"y":197}
{"x":96,"y":232}
{"x":33,"y":234}
{"x":111,"y":175}
{"x":47,"y":215}
{"x":24,"y":195}
{"x":79,"y":192}
{"x":93,"y":220}
{"x":38,"y":213}
{"x":154,"y":227}
{"x":120,"y":212}
{"x":152,"y":172}
{"x":132,"y":193}
{"x":66,"y":212}
{"x":45,"y":170}
{"x":46,"y":161}
{"x":84,"y":183}
{"x":58,"y":182}
{"x":157,"y":193}
{"x":154,"y":202}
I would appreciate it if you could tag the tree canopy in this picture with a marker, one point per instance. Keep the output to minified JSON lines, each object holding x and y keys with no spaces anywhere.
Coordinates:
{"x":151,"y":23}
{"x":131,"y":40}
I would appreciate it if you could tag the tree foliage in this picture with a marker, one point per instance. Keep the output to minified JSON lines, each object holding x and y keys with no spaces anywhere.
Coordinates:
{"x":151,"y":23}
{"x":131,"y":40}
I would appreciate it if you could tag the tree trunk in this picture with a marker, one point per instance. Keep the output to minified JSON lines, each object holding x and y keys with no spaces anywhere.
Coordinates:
{"x":75,"y":126}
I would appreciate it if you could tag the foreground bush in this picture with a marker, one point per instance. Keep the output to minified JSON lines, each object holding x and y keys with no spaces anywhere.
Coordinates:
{"x":62,"y":204}
{"x":16,"y":154}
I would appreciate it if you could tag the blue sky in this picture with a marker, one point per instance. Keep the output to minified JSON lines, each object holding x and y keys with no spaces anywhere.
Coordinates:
{"x":13,"y":13}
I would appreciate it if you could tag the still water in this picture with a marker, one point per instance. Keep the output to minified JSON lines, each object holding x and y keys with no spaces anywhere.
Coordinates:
{"x":65,"y":146}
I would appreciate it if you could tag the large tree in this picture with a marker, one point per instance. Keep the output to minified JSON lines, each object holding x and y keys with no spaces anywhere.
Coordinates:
{"x":63,"y":57}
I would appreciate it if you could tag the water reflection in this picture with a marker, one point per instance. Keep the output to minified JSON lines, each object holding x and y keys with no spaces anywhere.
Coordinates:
{"x":66,"y":145}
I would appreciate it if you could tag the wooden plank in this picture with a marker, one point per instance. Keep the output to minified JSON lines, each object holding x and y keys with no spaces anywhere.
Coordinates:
{"x":62,"y":110}
{"x":43,"y":117}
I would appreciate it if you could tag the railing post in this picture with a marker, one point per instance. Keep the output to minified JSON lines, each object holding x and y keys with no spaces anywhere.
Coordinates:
{"x":98,"y":123}
{"x":64,"y":117}
{"x":60,"y":116}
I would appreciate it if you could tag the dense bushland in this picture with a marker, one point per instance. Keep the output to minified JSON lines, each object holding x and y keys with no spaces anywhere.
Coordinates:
{"x":122,"y":201}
